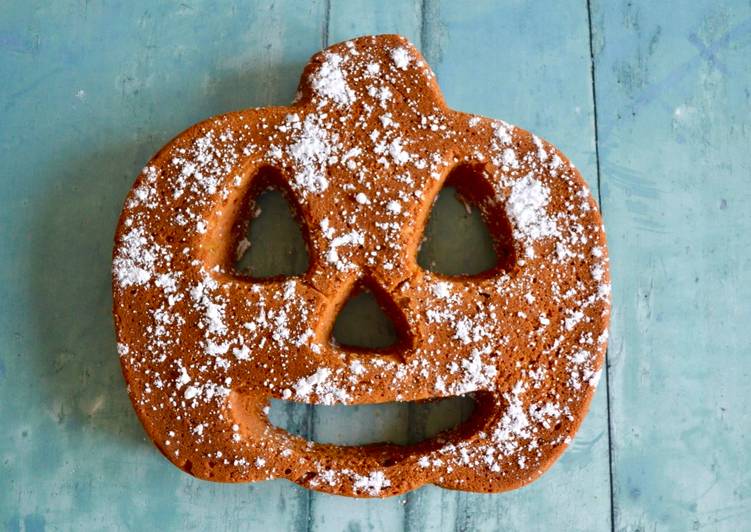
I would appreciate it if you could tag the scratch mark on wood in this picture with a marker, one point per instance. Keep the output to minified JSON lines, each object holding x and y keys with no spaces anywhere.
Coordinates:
{"x":593,"y":77}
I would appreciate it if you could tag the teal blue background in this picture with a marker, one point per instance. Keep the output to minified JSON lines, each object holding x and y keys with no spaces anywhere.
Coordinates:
{"x":652,"y":100}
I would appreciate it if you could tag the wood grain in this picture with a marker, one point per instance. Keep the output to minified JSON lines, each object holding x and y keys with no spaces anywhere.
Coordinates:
{"x":348,"y":19}
{"x":491,"y":60}
{"x":673,"y":121}
{"x":89,"y":93}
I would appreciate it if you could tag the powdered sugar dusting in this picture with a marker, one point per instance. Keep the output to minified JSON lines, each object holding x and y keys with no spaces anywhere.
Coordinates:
{"x":135,"y":262}
{"x":401,"y":57}
{"x":372,"y":484}
{"x":476,"y":375}
{"x":320,"y":385}
{"x":311,"y":148}
{"x":329,"y":81}
{"x":526,"y":208}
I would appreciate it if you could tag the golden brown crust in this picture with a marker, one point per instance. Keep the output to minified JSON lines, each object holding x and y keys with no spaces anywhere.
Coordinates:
{"x":362,"y":154}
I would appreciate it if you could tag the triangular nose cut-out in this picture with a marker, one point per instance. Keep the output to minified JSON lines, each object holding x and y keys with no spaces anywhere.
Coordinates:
{"x":273,"y":246}
{"x":467,"y":233}
{"x":369,"y":321}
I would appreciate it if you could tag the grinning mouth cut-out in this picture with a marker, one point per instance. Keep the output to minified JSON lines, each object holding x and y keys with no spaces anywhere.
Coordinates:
{"x":403,"y":423}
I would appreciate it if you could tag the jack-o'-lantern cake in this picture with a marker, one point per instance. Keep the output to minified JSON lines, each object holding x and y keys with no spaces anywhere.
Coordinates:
{"x":361,"y":155}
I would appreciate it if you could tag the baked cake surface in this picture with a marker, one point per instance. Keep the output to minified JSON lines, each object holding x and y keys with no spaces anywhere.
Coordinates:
{"x":361,"y":155}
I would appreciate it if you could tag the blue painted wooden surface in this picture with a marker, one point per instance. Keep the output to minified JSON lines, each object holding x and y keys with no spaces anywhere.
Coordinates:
{"x":652,"y":102}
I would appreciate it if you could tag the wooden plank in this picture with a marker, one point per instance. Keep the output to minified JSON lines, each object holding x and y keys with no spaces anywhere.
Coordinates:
{"x":348,"y":19}
{"x":355,"y":18}
{"x":581,"y":479}
{"x":673,"y":108}
{"x":89,"y":92}
{"x":528,"y":64}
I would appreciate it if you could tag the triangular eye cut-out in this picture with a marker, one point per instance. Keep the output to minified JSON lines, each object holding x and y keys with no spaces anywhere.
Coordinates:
{"x":369,"y":321}
{"x":273,"y":245}
{"x":468,"y":232}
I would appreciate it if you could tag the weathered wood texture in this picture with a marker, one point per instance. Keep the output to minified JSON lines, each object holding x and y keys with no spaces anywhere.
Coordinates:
{"x":661,"y":132}
{"x":674,"y":131}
